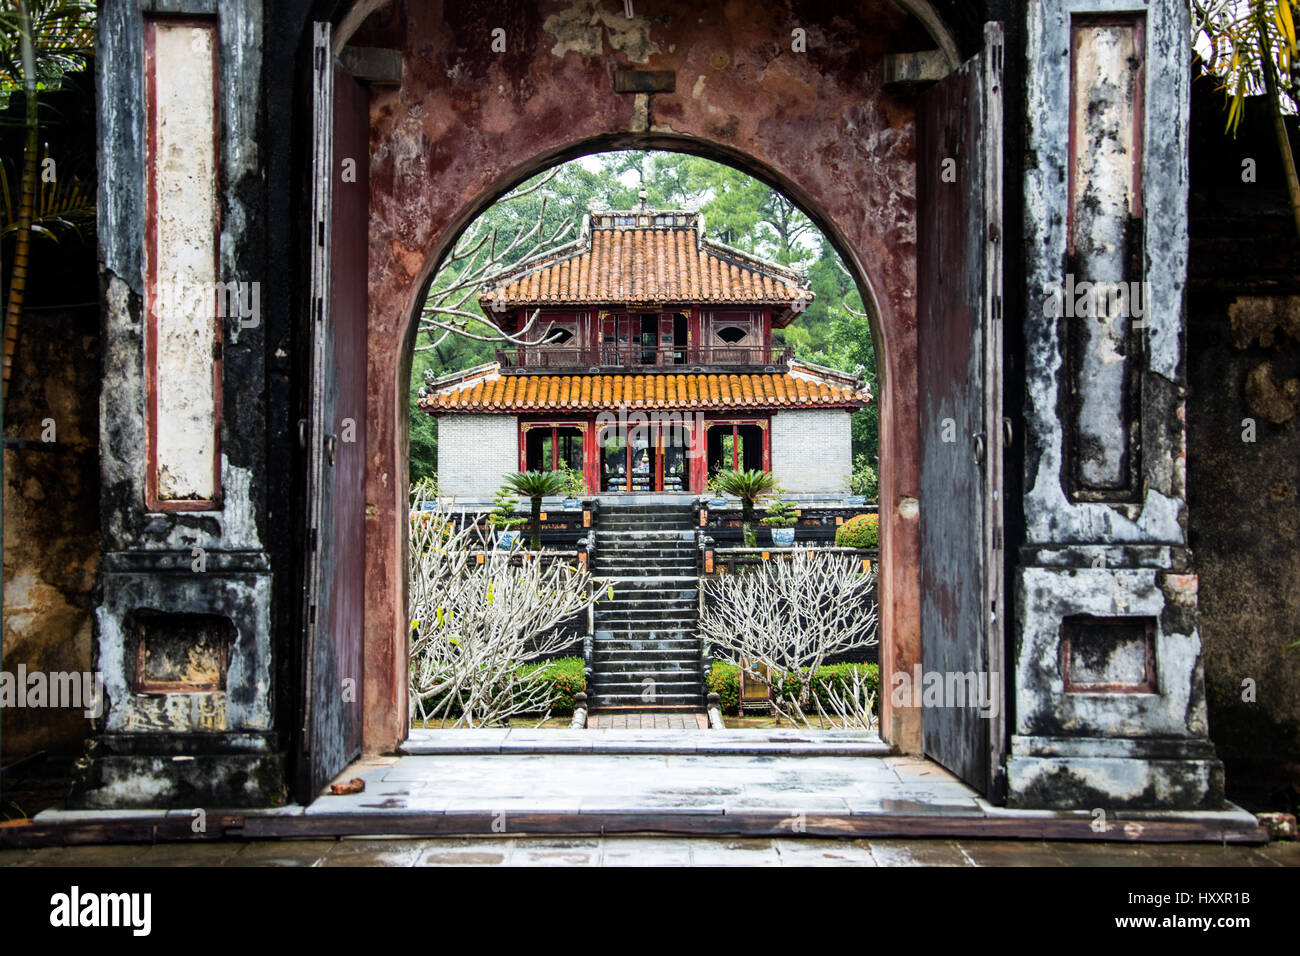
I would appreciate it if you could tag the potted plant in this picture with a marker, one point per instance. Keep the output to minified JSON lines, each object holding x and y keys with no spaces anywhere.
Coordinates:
{"x":749,"y":486}
{"x":863,"y":484}
{"x":504,"y":519}
{"x":781,"y":516}
{"x":718,"y":499}
{"x":536,"y":485}
{"x":575,"y":488}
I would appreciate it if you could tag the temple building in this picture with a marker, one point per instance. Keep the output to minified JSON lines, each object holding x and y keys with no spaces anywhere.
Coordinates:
{"x":655,"y":368}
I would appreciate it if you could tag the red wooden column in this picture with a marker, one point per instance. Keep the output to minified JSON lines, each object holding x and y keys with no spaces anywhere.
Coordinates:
{"x":766,"y":429}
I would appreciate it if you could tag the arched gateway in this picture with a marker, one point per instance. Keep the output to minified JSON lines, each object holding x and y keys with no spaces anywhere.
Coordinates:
{"x":319,"y":159}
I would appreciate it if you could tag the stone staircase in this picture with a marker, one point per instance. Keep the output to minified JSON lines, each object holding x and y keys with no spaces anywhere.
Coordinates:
{"x":646,"y":653}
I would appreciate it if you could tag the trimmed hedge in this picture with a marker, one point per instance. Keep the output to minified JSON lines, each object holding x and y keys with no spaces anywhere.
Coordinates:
{"x":860,"y":531}
{"x":566,"y":677}
{"x":724,"y":680}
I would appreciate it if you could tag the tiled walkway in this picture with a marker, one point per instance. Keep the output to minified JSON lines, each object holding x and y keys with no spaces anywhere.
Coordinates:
{"x":663,"y":721}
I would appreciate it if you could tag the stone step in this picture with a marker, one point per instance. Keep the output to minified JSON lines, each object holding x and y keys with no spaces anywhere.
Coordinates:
{"x":637,"y":665}
{"x":682,"y":645}
{"x":655,"y":566}
{"x":644,"y":601}
{"x":644,"y":525}
{"x":609,"y":701}
{"x":694,"y":708}
{"x":626,"y":537}
{"x":628,"y":595}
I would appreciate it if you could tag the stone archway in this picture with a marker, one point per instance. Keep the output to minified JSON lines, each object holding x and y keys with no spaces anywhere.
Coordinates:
{"x":467,"y":123}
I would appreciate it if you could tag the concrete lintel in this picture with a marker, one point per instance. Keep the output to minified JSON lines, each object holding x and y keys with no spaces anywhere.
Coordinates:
{"x":373,"y":65}
{"x":916,"y":69}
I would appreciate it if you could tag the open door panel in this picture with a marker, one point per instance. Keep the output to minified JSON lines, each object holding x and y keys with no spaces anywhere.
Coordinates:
{"x":959,"y":336}
{"x":333,"y":610}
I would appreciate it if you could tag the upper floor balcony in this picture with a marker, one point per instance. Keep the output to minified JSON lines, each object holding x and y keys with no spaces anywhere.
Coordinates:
{"x":662,"y":358}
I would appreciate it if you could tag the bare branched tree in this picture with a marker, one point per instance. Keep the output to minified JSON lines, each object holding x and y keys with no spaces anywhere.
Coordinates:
{"x":476,"y":626}
{"x":478,"y":259}
{"x":787,"y":617}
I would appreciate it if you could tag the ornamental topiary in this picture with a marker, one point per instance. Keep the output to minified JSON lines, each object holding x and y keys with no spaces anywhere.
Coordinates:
{"x":860,"y":531}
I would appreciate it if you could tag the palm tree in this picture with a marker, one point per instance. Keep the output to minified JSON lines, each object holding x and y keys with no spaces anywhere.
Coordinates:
{"x":1251,"y":46}
{"x":40,"y":40}
{"x":749,"y":486}
{"x":536,"y":485}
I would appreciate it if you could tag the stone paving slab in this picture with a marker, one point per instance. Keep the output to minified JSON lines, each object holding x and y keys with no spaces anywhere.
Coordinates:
{"x":644,"y":739}
{"x":430,"y":795}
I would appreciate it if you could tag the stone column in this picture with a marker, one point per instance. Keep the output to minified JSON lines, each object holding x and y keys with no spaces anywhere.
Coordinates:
{"x":1109,"y":706}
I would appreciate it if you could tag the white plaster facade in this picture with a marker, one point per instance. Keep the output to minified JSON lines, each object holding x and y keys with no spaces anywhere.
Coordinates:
{"x":476,"y":452}
{"x":812,"y":450}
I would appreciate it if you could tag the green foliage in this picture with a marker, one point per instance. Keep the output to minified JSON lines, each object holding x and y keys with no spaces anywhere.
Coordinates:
{"x":860,"y":531}
{"x":863,"y":480}
{"x":575,"y":485}
{"x":503,"y":515}
{"x":536,"y":485}
{"x":724,"y":680}
{"x":565,"y":675}
{"x":781,"y":511}
{"x":63,"y":35}
{"x":747,"y":485}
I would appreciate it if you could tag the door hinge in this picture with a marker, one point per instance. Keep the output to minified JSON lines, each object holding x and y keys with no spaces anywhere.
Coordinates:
{"x":314,"y":539}
{"x":997,"y":539}
{"x":311,"y":614}
{"x":996,"y":308}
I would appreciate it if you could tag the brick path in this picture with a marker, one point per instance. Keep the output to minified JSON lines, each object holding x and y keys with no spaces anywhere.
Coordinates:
{"x":669,"y":721}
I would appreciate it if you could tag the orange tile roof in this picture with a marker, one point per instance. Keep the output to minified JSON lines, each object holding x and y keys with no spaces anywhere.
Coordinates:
{"x":651,"y":264}
{"x":664,"y":390}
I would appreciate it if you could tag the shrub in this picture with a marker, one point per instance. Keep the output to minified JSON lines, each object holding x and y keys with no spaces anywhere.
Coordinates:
{"x":863,"y":481}
{"x":567,"y":679}
{"x":565,"y":676}
{"x":860,"y":531}
{"x":724,"y":680}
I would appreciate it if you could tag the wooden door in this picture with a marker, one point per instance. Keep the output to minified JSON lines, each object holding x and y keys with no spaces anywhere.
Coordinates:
{"x":959,"y":303}
{"x":335,"y":428}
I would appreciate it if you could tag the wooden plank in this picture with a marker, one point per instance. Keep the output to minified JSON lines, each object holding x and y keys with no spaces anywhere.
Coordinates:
{"x":473,"y":823}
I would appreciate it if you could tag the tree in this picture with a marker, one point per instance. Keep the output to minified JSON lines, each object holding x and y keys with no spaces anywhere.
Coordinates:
{"x":40,"y":41}
{"x":749,"y":486}
{"x":476,"y":627}
{"x":788,"y":616}
{"x":1251,"y":46}
{"x":536,"y":485}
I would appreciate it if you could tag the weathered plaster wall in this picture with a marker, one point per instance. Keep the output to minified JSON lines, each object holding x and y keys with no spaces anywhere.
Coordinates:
{"x":1243,"y":457}
{"x":812,"y":451}
{"x":51,"y":528}
{"x":476,"y":452}
{"x":467,"y":123}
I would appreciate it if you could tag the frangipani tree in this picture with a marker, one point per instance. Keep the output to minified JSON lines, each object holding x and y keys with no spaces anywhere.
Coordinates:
{"x":788,"y":617}
{"x":479,"y":616}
